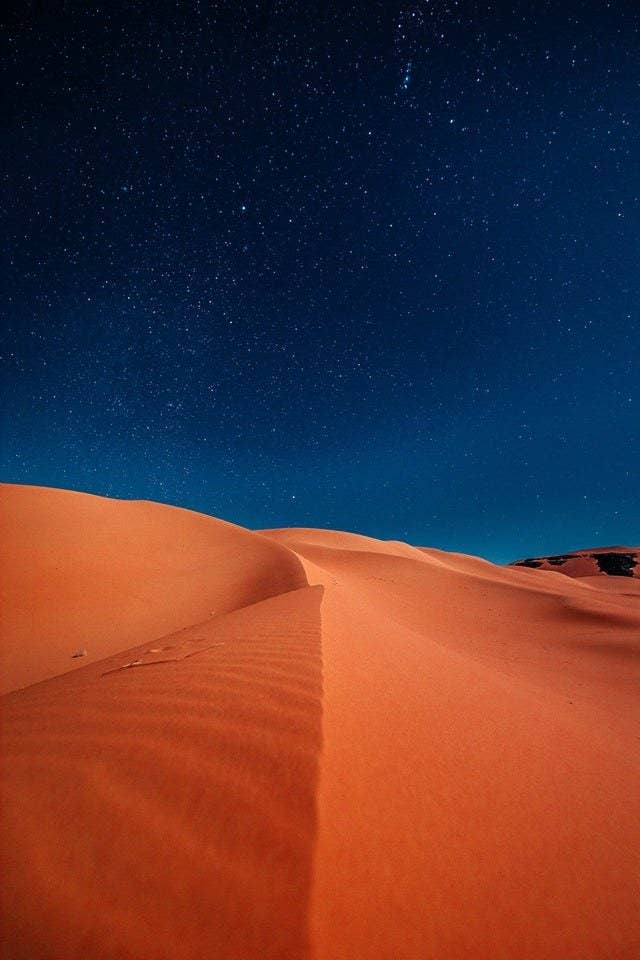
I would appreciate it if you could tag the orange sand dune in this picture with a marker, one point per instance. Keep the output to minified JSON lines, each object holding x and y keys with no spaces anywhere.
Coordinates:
{"x":87,"y":573}
{"x":351,"y":749}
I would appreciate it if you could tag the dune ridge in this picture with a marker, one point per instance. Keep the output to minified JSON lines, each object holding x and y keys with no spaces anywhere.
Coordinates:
{"x":348,"y":748}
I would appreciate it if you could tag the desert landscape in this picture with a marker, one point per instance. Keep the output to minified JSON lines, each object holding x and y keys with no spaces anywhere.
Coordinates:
{"x":320,"y":567}
{"x":305,"y":743}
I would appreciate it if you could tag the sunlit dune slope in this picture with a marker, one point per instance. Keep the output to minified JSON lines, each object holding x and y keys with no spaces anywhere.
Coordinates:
{"x":367,"y":750}
{"x":167,"y":809}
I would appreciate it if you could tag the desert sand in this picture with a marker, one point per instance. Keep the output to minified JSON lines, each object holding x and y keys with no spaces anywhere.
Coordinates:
{"x":308,"y":744}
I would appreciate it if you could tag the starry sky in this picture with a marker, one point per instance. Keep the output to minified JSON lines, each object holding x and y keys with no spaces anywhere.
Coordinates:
{"x":371,"y":265}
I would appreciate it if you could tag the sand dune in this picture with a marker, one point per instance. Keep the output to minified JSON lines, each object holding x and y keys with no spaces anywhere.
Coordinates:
{"x":83,"y":573}
{"x":351,"y":749}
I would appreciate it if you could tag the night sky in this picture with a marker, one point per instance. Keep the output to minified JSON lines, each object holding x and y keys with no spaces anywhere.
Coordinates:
{"x":371,"y":266}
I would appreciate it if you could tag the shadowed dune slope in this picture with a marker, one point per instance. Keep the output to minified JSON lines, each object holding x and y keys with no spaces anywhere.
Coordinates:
{"x":167,"y":810}
{"x":80,"y":572}
{"x":480,"y":773}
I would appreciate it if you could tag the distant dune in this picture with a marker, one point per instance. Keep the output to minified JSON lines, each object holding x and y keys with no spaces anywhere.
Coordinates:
{"x":290,"y":744}
{"x":597,"y":561}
